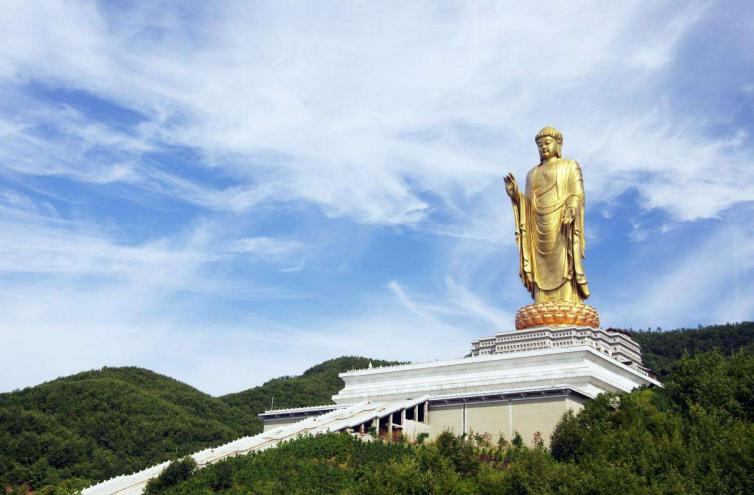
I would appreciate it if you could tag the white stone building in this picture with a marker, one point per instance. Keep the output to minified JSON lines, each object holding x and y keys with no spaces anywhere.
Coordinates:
{"x":515,"y":382}
{"x":614,"y":343}
{"x":525,"y":388}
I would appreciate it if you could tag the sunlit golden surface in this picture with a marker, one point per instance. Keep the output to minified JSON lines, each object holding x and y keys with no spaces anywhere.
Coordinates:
{"x":549,"y":223}
{"x":554,"y":314}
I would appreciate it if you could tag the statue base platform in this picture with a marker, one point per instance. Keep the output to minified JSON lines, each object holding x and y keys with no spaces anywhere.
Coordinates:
{"x":554,"y":314}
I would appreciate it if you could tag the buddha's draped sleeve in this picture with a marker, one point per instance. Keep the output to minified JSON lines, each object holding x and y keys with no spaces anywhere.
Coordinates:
{"x":523,"y":240}
{"x":577,"y":247}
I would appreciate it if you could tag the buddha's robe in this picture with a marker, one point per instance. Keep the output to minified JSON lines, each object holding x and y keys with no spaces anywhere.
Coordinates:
{"x":551,"y":253}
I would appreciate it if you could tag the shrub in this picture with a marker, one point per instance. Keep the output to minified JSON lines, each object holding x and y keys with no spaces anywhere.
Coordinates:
{"x":223,"y":476}
{"x":176,"y":472}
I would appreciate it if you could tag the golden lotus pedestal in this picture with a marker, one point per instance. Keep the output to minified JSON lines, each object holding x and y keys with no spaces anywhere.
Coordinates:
{"x":555,"y":314}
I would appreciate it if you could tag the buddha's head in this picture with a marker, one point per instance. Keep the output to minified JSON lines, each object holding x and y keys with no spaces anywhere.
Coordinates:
{"x":549,"y":143}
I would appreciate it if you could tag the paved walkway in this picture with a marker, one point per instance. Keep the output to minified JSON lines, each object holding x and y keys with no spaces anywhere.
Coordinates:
{"x":338,"y":420}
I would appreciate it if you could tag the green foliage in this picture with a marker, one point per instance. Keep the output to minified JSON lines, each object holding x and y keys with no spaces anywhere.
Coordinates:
{"x":517,"y":440}
{"x":715,"y":383}
{"x":694,"y":436}
{"x":661,"y":349}
{"x":173,"y":474}
{"x":223,"y":476}
{"x":343,"y":464}
{"x":98,"y":424}
{"x":314,"y":387}
{"x":567,"y":438}
{"x":459,"y":451}
{"x":321,"y":465}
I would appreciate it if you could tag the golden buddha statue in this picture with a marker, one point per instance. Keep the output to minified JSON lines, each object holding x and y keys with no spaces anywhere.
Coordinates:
{"x":549,"y":218}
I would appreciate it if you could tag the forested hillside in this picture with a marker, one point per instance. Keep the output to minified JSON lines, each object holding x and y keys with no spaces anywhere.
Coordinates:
{"x":661,"y":348}
{"x":314,"y":387}
{"x":694,"y":436}
{"x":97,"y":424}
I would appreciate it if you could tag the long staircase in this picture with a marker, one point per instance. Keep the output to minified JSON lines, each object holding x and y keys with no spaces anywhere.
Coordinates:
{"x":354,"y":417}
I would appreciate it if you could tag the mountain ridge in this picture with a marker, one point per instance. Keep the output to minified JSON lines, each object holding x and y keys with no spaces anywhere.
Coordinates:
{"x":96,"y":424}
{"x":90,"y":426}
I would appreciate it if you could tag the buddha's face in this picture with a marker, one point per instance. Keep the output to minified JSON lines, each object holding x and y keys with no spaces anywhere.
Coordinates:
{"x":548,"y":147}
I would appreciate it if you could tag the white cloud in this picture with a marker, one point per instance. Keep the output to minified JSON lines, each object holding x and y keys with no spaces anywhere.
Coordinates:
{"x":671,"y":168}
{"x":476,"y":306}
{"x":458,"y":307}
{"x":396,"y":289}
{"x":266,"y":246}
{"x":36,"y":243}
{"x":287,"y":252}
{"x":710,"y":283}
{"x":72,"y":152}
{"x":74,"y":329}
{"x":61,"y":249}
{"x":53,"y":329}
{"x":388,"y":115}
{"x":658,"y":50}
{"x":366,"y":111}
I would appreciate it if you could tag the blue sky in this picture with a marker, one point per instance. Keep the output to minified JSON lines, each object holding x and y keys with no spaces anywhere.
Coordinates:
{"x":230,"y":192}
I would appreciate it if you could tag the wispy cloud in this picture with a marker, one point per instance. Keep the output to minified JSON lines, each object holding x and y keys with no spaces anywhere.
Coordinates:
{"x":709,"y":283}
{"x":367,"y":120}
{"x":458,"y":306}
{"x":409,"y":304}
{"x":165,"y":168}
{"x":476,"y":306}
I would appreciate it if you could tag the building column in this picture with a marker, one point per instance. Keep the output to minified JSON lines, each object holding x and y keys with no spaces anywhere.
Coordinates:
{"x":465,"y":419}
{"x":510,"y":420}
{"x":426,"y":412}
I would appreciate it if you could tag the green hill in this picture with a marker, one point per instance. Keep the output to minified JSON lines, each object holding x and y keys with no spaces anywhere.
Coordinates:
{"x":314,"y":387}
{"x":98,"y":424}
{"x":696,"y":435}
{"x":660,"y":349}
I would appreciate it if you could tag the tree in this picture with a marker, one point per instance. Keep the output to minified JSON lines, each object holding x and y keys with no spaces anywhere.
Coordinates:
{"x":223,"y":476}
{"x":173,"y":474}
{"x":566,"y":439}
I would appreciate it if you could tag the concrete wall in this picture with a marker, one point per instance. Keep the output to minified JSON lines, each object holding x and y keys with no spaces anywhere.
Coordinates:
{"x":443,"y":418}
{"x":412,"y":429}
{"x":581,"y":369}
{"x":269,"y":424}
{"x":526,"y":416}
{"x":493,"y":419}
